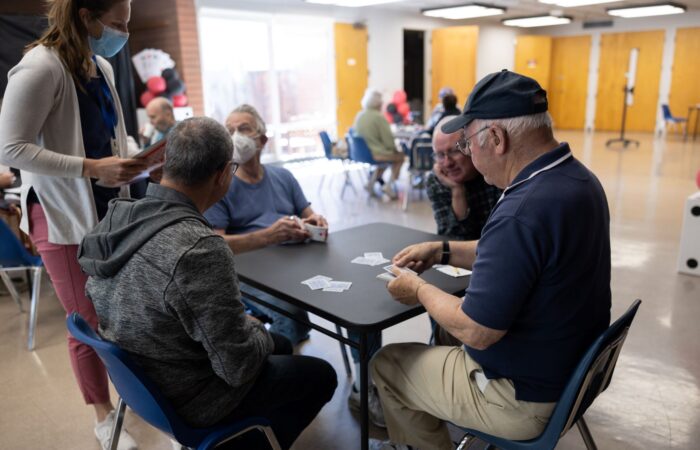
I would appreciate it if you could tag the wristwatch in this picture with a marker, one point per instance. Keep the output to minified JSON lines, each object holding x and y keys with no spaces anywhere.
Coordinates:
{"x":445,"y":253}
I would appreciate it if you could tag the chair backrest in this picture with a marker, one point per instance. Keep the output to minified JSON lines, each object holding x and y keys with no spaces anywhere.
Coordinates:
{"x":358,"y":150}
{"x":422,"y":153}
{"x":327,"y":144}
{"x":666,"y":111}
{"x":134,"y":386}
{"x":12,"y":252}
{"x":591,"y":377}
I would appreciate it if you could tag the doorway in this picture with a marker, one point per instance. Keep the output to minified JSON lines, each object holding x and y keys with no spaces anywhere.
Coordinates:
{"x":414,"y":71}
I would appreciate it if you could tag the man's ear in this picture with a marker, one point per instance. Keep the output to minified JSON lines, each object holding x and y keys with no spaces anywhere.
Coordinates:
{"x":500,"y":139}
{"x":263,"y":140}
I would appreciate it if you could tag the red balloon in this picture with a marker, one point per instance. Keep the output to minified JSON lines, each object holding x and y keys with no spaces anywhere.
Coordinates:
{"x":146,"y":98}
{"x":403,"y":109}
{"x":180,"y":100}
{"x":399,"y":97}
{"x":156,"y":85}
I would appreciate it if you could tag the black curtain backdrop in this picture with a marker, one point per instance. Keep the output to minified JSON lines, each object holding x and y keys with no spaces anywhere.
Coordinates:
{"x":17,"y":31}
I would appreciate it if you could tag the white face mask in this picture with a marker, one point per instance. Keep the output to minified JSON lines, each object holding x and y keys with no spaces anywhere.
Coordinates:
{"x":244,"y":148}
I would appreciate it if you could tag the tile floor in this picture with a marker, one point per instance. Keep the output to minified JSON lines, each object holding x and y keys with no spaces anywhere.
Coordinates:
{"x":654,"y":399}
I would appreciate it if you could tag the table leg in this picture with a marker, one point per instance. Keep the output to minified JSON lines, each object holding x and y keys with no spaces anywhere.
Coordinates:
{"x":364,"y":392}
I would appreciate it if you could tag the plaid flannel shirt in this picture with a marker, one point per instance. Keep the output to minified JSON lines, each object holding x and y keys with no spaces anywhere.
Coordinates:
{"x":481,"y":198}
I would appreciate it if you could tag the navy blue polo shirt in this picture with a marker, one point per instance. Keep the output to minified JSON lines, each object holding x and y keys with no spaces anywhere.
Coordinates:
{"x":542,"y":273}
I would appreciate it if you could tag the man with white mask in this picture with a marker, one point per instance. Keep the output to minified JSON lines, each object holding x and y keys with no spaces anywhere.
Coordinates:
{"x":261,"y":208}
{"x":266,"y":206}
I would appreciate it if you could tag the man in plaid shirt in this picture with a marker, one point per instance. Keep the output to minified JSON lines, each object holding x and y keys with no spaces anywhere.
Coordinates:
{"x":460,"y":198}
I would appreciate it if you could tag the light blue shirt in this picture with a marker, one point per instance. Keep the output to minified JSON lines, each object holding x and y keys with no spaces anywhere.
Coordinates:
{"x":250,"y":207}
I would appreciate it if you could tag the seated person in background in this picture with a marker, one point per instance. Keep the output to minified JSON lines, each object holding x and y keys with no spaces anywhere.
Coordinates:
{"x":185,"y":325}
{"x":460,"y":198}
{"x":436,"y":115}
{"x":393,"y":113}
{"x":371,"y":125}
{"x":449,"y":108}
{"x":259,"y":210}
{"x":161,"y":117}
{"x":539,"y":294}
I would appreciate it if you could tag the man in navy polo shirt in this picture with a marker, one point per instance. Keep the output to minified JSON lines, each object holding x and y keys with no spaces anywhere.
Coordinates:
{"x":539,"y":292}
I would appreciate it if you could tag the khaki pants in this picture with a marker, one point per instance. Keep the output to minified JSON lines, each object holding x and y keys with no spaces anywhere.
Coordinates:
{"x":421,"y":387}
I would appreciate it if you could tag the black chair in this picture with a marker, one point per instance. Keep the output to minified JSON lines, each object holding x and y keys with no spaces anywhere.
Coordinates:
{"x":420,"y":163}
{"x":137,"y":391}
{"x":590,"y":378}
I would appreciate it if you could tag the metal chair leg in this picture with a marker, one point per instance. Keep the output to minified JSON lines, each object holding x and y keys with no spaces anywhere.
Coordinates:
{"x":466,"y":442}
{"x":11,"y":289}
{"x":34,"y":307}
{"x":117,"y":425}
{"x":343,"y":351}
{"x":586,"y":434}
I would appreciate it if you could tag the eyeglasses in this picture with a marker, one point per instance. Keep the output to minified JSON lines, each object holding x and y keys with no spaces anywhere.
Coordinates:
{"x":464,"y":145}
{"x":452,"y":154}
{"x":234,"y":167}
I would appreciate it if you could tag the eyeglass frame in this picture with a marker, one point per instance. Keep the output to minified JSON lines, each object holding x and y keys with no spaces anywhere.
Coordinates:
{"x":464,"y":145}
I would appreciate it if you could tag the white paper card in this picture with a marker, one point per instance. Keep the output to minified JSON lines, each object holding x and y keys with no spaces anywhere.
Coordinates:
{"x":452,"y":271}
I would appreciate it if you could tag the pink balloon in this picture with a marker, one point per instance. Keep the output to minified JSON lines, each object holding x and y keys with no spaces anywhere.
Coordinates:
{"x":146,"y":98}
{"x":156,"y":85}
{"x":399,"y":97}
{"x":180,"y":100}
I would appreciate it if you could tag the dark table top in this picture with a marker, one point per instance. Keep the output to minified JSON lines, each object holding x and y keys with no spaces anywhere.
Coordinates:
{"x":279,"y":270}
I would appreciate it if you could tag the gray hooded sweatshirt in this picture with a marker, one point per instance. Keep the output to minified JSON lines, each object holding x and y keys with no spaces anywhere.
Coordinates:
{"x":166,"y":291}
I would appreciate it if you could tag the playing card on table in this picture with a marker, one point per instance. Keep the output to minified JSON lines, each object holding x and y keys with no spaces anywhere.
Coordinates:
{"x":317,"y":282}
{"x":452,"y":271}
{"x":375,"y":258}
{"x":344,"y":285}
{"x":362,"y":260}
{"x":331,"y":289}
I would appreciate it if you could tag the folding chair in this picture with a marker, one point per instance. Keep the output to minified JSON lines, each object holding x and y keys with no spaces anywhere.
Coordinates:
{"x":13,"y":257}
{"x":137,"y":391}
{"x":420,"y":163}
{"x":359,"y":152}
{"x":590,"y":378}
{"x":328,"y":151}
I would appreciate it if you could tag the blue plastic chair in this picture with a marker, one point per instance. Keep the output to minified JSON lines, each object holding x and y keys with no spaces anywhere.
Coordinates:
{"x":14,"y":257}
{"x":359,"y":152}
{"x":328,"y":151}
{"x":669,"y":118}
{"x":141,"y":395}
{"x":590,"y":378}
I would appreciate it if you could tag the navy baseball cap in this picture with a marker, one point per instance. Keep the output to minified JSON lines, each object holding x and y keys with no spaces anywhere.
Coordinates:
{"x":500,"y":95}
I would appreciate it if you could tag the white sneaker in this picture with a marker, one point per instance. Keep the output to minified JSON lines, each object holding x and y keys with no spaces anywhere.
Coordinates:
{"x":376,"y":413}
{"x":103,"y":431}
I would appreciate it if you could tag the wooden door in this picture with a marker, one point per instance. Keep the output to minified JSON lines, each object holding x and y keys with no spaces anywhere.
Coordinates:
{"x":350,"y":73}
{"x":614,"y":60}
{"x":533,"y":56}
{"x":568,"y":81}
{"x":453,"y":61}
{"x":685,"y":86}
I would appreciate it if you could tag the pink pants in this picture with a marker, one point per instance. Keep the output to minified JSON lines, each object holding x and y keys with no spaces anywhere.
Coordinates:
{"x":61,"y":262}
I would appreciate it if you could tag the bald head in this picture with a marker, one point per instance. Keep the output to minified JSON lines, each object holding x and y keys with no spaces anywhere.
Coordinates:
{"x":160,"y":113}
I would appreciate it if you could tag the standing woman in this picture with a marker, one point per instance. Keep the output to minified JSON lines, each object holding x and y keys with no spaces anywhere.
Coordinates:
{"x":61,"y":124}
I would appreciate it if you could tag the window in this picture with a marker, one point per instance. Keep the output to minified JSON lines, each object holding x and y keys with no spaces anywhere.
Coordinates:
{"x":282,"y":65}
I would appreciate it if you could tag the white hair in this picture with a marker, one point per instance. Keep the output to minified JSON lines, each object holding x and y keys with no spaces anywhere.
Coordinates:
{"x":516,"y":127}
{"x":248,"y":109}
{"x":372,"y":99}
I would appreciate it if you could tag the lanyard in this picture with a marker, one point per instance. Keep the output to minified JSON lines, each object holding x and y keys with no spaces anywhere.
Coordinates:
{"x":106,"y":103}
{"x":535,"y":173}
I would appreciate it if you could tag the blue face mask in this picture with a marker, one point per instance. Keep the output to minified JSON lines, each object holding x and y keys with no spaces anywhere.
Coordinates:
{"x":110,"y":43}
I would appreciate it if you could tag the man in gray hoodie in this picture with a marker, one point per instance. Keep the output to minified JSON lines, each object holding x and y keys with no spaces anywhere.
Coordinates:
{"x":165,"y":290}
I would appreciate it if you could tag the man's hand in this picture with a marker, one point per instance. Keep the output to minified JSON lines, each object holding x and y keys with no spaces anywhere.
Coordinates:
{"x":419,"y":257}
{"x":286,"y":229}
{"x":441,"y":175}
{"x":317,"y":220}
{"x":6,"y":179}
{"x":404,"y":288}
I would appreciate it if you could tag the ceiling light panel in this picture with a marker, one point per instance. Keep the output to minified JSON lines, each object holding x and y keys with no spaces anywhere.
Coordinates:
{"x":661,"y":9}
{"x":469,"y":11}
{"x":536,"y":21}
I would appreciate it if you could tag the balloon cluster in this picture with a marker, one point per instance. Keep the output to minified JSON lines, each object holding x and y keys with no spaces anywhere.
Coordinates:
{"x":398,"y":110}
{"x":168,"y":85}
